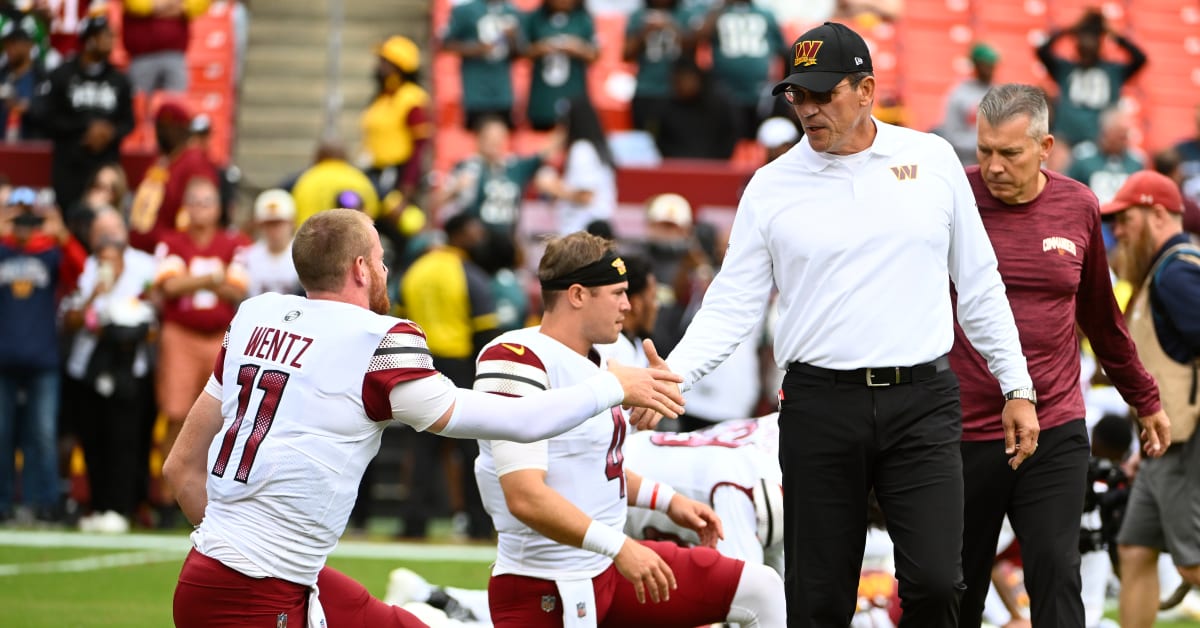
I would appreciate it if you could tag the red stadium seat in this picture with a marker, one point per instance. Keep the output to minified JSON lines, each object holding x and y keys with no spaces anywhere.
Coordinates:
{"x":1065,"y":13}
{"x":1018,"y":61}
{"x":1016,"y":15}
{"x":451,"y":144}
{"x":610,"y":37}
{"x":793,"y":29}
{"x":941,"y":12}
{"x":447,"y":88}
{"x":933,"y":54}
{"x":210,"y":77}
{"x":115,"y":15}
{"x":1171,"y":123}
{"x":925,"y":105}
{"x":748,"y":154}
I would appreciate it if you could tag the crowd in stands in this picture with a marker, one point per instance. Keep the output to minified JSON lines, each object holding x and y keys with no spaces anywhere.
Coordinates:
{"x":115,"y":294}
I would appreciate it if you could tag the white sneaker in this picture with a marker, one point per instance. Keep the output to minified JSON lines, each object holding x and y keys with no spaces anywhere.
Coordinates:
{"x":112,"y":523}
{"x":404,"y":586}
{"x":88,"y":523}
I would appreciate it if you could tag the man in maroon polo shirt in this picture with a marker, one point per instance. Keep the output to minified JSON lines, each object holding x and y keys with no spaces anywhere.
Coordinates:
{"x":1045,"y":229}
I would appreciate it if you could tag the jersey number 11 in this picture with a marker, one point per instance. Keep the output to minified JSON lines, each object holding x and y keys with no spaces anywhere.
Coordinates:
{"x":272,"y":384}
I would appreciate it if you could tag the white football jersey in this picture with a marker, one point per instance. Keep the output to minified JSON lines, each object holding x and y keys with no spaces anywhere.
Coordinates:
{"x":698,"y":464}
{"x":584,"y":465}
{"x":304,"y":396}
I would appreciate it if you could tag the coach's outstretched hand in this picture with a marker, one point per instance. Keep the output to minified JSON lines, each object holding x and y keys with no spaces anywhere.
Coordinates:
{"x":697,"y":517}
{"x":653,"y":389}
{"x":645,"y":418}
{"x":646,"y":570}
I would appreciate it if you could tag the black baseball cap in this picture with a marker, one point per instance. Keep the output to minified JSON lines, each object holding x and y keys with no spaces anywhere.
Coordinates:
{"x":92,"y":25}
{"x":20,"y":28}
{"x":823,"y":56}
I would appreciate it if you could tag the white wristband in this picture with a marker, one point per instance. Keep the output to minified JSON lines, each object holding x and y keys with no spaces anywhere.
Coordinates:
{"x":603,"y":539}
{"x":654,"y":496}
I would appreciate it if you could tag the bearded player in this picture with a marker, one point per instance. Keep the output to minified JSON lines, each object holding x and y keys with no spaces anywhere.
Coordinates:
{"x":270,"y":457}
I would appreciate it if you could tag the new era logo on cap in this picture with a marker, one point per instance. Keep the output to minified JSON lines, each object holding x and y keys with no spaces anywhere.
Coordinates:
{"x":823,"y":56}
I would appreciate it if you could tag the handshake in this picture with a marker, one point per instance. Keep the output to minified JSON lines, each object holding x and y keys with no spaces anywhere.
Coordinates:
{"x":651,"y":392}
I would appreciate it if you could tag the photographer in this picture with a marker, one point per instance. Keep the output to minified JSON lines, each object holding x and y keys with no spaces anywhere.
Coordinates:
{"x":1103,"y":507}
{"x":38,"y":258}
{"x":1164,"y":507}
{"x":109,"y":370}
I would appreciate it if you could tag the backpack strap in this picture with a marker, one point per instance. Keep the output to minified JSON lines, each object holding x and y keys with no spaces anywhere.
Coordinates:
{"x":1160,"y":313}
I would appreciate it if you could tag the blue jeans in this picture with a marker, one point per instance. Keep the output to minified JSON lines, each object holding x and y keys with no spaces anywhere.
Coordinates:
{"x":36,"y":423}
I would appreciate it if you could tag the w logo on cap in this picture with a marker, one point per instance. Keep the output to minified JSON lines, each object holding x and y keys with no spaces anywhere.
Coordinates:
{"x":806,"y":53}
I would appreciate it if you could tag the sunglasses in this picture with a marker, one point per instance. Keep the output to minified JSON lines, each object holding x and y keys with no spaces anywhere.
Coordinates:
{"x":799,"y":95}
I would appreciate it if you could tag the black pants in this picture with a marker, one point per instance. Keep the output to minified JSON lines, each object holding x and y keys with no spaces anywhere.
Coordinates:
{"x":647,"y":112}
{"x":836,"y":442}
{"x":112,"y":431}
{"x":1044,"y":501}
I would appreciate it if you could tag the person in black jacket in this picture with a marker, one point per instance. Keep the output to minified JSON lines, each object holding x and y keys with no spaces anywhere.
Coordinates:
{"x":696,"y":104}
{"x":86,"y":109}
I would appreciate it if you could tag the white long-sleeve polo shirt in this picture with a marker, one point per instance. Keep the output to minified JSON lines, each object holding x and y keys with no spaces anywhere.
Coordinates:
{"x":861,"y":248}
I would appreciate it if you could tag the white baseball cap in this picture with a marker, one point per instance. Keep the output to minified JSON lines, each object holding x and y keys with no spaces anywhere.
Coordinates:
{"x":671,"y":208}
{"x":274,"y":204}
{"x":774,"y":132}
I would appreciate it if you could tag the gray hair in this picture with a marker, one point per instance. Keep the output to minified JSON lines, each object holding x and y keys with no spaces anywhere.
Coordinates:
{"x":1005,"y":102}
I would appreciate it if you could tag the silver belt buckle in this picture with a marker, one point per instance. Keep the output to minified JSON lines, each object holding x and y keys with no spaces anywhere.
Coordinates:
{"x":874,"y":384}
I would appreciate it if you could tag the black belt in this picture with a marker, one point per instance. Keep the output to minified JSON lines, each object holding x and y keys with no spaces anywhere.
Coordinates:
{"x":876,"y":376}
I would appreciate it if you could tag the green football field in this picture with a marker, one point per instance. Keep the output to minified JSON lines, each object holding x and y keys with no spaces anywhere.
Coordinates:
{"x":68,"y":579}
{"x":57,"y":579}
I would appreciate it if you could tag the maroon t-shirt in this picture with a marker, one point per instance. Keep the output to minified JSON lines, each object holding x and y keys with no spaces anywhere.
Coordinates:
{"x":146,"y":34}
{"x":1055,"y":272}
{"x":202,"y":310}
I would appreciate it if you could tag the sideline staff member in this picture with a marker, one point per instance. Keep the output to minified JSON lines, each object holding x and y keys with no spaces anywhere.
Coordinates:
{"x":860,"y":224}
{"x":1045,"y":230}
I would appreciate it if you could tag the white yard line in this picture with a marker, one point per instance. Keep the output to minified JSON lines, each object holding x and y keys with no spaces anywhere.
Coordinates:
{"x":179,"y":545}
{"x":90,"y":563}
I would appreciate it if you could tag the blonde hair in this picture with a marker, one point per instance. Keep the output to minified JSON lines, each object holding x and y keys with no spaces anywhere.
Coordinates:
{"x":567,"y":254}
{"x":326,"y":246}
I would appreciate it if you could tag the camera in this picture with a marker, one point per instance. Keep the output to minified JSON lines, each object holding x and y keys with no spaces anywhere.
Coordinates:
{"x":1108,"y":493}
{"x":28,"y":218}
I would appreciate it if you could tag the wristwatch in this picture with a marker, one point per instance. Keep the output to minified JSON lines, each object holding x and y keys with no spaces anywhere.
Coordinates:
{"x":1027,"y":394}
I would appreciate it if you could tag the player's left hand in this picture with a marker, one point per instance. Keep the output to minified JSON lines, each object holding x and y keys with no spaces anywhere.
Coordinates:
{"x":1156,"y":433}
{"x":698,"y":517}
{"x":1021,"y":430}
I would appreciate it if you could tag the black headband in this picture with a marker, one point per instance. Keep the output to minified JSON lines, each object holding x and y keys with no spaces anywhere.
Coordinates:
{"x":606,"y":271}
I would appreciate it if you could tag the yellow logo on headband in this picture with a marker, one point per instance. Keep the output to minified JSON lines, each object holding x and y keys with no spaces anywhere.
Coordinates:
{"x":619,"y":264}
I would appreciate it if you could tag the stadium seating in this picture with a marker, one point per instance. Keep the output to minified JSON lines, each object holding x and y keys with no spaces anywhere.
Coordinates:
{"x":212,"y":89}
{"x":920,"y":56}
